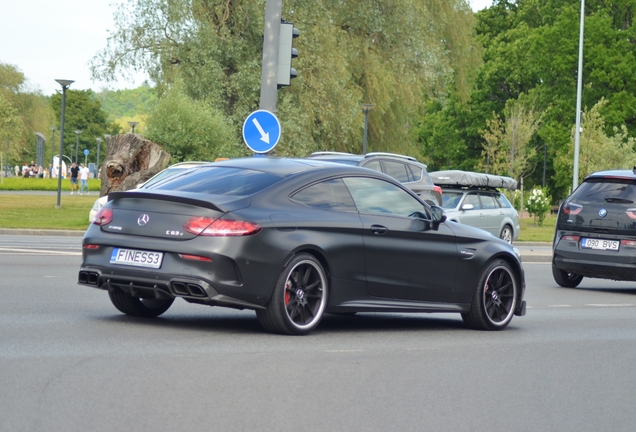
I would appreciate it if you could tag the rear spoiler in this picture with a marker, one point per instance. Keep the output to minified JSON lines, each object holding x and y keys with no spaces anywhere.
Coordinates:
{"x":166,"y":197}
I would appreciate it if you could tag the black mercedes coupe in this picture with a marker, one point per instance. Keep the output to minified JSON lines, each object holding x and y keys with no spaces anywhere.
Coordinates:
{"x":294,"y":239}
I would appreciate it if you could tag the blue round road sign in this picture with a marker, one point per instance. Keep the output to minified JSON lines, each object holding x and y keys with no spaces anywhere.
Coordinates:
{"x":86,"y":152}
{"x":261,"y":131}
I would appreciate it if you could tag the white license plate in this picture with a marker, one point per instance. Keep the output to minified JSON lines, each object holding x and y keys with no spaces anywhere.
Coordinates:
{"x":600,"y":244}
{"x":136,"y":258}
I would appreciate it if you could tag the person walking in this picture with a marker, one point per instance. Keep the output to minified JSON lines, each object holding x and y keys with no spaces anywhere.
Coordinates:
{"x":84,"y":172}
{"x":74,"y":175}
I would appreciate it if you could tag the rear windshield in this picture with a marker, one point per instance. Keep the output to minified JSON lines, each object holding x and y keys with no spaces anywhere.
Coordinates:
{"x":601,"y":205}
{"x":221,"y":181}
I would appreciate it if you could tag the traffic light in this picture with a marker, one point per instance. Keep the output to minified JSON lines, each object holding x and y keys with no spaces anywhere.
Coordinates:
{"x":286,"y":52}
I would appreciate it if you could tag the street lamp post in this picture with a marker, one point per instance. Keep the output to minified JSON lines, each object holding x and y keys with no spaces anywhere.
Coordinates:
{"x":99,"y":143}
{"x":53,"y":129}
{"x":132,"y":126}
{"x":366,"y":107}
{"x":579,"y":86}
{"x":77,"y":132}
{"x":65,"y":84}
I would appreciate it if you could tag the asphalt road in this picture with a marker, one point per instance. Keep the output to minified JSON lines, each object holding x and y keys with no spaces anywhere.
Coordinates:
{"x":70,"y":362}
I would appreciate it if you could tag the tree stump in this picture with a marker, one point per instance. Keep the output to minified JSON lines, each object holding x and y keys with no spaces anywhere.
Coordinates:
{"x":130,"y":160}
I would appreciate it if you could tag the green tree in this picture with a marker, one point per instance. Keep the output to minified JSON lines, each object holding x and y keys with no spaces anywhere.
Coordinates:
{"x":598,"y":150}
{"x":508,"y":149}
{"x":28,"y":112}
{"x":388,"y":52}
{"x":190,"y":129}
{"x":83,"y":112}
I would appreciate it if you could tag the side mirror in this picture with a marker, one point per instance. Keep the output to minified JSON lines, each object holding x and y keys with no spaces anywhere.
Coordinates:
{"x":468,"y":207}
{"x":438,"y":215}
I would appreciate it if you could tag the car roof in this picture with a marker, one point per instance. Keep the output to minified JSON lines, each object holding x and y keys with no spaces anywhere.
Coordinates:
{"x":284,"y":167}
{"x":327,"y":155}
{"x":623,"y":174}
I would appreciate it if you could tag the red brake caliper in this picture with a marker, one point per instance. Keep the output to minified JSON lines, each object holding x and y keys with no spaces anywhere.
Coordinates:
{"x":287,"y":293}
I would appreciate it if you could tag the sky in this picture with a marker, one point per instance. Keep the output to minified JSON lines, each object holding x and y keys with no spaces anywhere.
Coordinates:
{"x":56,"y":39}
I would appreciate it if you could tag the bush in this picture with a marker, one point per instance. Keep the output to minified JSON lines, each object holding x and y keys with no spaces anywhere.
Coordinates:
{"x":538,"y":204}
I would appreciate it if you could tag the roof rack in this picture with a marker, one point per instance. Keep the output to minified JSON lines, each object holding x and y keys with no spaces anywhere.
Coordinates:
{"x":326,"y":153}
{"x":459,"y":178}
{"x":411,"y":158}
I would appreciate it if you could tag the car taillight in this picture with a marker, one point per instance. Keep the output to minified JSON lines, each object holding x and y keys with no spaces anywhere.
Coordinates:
{"x":631,"y":243}
{"x":631,"y":213}
{"x":571,"y":238}
{"x":91,"y":246}
{"x":572,"y":209}
{"x":220,"y":227}
{"x":104,"y":216}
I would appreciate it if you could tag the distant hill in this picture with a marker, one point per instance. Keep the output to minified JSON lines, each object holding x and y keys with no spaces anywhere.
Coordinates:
{"x":128,"y":103}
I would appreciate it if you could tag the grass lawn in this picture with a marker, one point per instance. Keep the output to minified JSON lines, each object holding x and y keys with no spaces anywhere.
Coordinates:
{"x":530,"y":232}
{"x":39,"y":212}
{"x":50,"y":184}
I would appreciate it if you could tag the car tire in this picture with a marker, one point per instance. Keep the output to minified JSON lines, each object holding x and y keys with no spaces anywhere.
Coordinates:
{"x":134,"y":306}
{"x":506,"y":234}
{"x":495,"y":298}
{"x":565,"y":279}
{"x":299,"y":299}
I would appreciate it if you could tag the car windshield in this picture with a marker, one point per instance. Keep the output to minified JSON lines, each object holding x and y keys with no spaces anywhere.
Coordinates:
{"x":221,"y":181}
{"x":450,"y":199}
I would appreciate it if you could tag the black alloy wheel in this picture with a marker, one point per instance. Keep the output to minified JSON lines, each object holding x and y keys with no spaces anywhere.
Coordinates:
{"x":134,"y":306}
{"x":506,"y":234}
{"x":495,"y":298}
{"x":565,"y":279}
{"x":299,"y":298}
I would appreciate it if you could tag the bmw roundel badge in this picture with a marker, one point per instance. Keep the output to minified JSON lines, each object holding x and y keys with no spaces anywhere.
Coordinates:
{"x":602,"y":212}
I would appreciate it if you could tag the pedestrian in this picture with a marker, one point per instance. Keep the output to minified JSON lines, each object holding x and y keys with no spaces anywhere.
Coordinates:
{"x":17,"y":170}
{"x":25,"y":169}
{"x":84,"y":172}
{"x":74,"y":174}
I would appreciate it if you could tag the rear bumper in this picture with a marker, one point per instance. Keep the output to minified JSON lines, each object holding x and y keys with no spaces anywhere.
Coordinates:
{"x":138,"y":284}
{"x":615,"y":265}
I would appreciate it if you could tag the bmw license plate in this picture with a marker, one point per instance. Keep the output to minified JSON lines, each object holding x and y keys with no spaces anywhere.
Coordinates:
{"x":600,"y":244}
{"x":136,"y":258}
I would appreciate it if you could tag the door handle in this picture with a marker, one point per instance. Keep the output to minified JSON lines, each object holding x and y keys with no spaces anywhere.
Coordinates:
{"x":379,"y":229}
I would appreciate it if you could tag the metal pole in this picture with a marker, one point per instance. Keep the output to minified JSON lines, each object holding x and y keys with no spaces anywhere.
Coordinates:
{"x":579,"y":86}
{"x":77,"y":132}
{"x":545,"y":159}
{"x":366,"y":107}
{"x":271,"y":37}
{"x":366,"y":128}
{"x":99,"y":143}
{"x":53,"y":129}
{"x":7,"y":154}
{"x":64,"y":84}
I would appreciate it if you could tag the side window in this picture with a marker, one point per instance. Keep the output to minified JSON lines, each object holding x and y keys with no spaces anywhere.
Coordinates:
{"x":503,"y":201}
{"x":397,"y":170}
{"x":328,"y":195}
{"x":488,"y":201}
{"x":473,"y":199}
{"x":380,"y":197}
{"x":416,"y":174}
{"x":374,"y":165}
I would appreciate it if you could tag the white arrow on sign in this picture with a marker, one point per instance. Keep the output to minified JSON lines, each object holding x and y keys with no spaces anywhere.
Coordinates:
{"x":264,"y":136}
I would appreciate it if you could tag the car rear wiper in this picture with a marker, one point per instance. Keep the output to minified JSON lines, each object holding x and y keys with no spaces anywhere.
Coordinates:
{"x":618,"y":200}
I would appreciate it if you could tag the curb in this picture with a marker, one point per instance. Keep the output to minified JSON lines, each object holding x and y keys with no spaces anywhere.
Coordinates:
{"x":43,"y":232}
